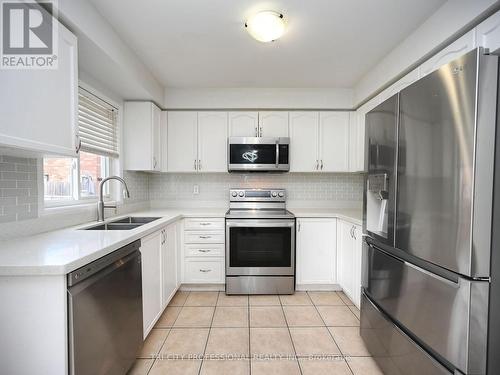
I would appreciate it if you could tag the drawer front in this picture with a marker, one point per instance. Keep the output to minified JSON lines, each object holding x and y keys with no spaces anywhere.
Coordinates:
{"x":204,"y":224}
{"x":204,"y":237}
{"x":440,"y":312}
{"x":215,"y":250}
{"x":204,"y":270}
{"x":393,"y":350}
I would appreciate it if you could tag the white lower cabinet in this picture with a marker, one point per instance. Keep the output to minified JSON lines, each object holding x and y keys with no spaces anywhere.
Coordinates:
{"x":316,"y":251}
{"x":204,"y":251}
{"x":169,"y":257}
{"x":151,"y":254}
{"x":349,"y":259}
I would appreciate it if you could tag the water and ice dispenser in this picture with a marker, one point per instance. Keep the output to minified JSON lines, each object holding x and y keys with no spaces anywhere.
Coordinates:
{"x":377,"y":198}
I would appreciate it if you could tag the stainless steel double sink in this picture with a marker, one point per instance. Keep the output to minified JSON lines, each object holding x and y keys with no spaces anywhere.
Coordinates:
{"x":126,"y":223}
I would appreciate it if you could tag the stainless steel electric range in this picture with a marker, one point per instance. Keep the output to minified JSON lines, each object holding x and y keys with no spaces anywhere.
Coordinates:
{"x":260,"y":243}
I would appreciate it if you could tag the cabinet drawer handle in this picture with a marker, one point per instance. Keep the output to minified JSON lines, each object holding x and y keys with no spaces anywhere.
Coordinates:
{"x":205,"y":237}
{"x":204,"y":270}
{"x":205,"y":224}
{"x":203,"y":250}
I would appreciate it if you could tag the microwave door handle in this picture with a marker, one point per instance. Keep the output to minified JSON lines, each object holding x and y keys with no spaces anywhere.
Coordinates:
{"x":277,"y":153}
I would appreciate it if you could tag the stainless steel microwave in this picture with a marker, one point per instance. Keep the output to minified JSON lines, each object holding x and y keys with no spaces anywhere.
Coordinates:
{"x":258,"y":154}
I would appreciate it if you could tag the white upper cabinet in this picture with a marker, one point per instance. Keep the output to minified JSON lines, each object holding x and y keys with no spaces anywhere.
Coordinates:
{"x":456,"y":49}
{"x":141,"y":133}
{"x":316,"y":251}
{"x":273,"y":124}
{"x":164,"y":141}
{"x":304,"y":128}
{"x":243,"y":124}
{"x":182,"y":141}
{"x":334,"y":141}
{"x":38,"y":110}
{"x":212,"y":141}
{"x":488,"y":33}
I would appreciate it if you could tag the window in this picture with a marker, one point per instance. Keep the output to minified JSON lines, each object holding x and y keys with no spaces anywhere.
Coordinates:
{"x":72,"y":180}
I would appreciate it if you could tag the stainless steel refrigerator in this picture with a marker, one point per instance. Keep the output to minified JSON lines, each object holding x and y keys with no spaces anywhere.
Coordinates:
{"x":430,"y":294}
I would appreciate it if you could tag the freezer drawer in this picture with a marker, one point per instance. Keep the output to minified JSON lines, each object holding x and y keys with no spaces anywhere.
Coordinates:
{"x":392,"y":349}
{"x":448,"y":317}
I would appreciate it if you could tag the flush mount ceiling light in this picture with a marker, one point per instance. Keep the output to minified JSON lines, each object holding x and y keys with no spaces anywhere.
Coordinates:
{"x":266,"y":26}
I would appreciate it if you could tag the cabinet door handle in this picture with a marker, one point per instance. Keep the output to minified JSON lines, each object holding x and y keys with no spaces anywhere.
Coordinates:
{"x":78,"y":143}
{"x":317,"y":164}
{"x":354,"y":233}
{"x":195,"y":165}
{"x":204,"y":270}
{"x":321,"y":164}
{"x":199,"y":164}
{"x":154,"y":162}
{"x":350,"y":231}
{"x":256,"y":131}
{"x":260,"y":131}
{"x":298,"y":229}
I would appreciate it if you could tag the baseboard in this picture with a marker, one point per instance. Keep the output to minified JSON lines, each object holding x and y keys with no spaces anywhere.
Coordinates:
{"x":317,"y":287}
{"x":202,"y":287}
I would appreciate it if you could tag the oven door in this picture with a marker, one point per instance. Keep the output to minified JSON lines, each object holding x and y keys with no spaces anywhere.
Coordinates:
{"x":258,"y":154}
{"x":260,"y":247}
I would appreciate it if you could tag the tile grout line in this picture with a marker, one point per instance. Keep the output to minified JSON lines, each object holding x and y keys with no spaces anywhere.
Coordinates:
{"x":168,"y":334}
{"x":208,"y":336}
{"x":290,"y":335}
{"x":330,"y":333}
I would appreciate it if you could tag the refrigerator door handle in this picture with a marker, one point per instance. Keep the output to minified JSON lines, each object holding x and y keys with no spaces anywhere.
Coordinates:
{"x":437,"y":277}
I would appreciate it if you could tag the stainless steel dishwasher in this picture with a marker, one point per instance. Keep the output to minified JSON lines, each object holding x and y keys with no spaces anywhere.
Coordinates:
{"x":105,"y":313}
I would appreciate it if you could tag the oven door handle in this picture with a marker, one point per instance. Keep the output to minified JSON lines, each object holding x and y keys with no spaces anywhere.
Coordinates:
{"x":260,"y":223}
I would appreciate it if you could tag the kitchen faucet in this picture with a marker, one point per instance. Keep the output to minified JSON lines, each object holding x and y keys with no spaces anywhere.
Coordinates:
{"x":100,"y":204}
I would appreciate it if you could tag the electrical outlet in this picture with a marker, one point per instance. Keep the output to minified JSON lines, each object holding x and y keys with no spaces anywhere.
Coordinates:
{"x":196,"y":189}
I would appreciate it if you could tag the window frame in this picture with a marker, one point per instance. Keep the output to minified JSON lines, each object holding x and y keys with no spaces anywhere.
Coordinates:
{"x":112,"y":167}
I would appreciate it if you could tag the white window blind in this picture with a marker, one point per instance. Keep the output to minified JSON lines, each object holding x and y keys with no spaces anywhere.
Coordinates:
{"x":97,"y":124}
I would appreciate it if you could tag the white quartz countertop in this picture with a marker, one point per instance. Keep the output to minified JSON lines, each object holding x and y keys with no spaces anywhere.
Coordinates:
{"x":62,"y":251}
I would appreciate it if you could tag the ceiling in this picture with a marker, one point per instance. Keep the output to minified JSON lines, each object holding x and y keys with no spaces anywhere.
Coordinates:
{"x":203,"y":43}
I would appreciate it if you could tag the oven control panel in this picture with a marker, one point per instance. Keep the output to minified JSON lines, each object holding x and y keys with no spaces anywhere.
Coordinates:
{"x":257,"y":195}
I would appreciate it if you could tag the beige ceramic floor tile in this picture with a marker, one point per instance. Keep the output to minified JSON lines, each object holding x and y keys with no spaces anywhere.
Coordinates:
{"x":182,"y":342}
{"x":336,"y":316}
{"x":177,"y":367}
{"x":349,"y":341}
{"x":230,"y":317}
{"x":195,"y":317}
{"x":267,"y":316}
{"x":225,"y":300}
{"x":326,"y":298}
{"x":324,"y":367}
{"x":313,"y":341}
{"x":228,"y":342}
{"x":346,"y":299}
{"x":275,"y":367}
{"x":264,"y":300}
{"x":167,"y":319}
{"x":302,"y":316}
{"x":202,"y":299}
{"x":299,"y":298}
{"x":270,"y":342}
{"x":153,"y":343}
{"x":364,"y":366}
{"x":179,"y":299}
{"x":355,"y":311}
{"x":140,"y":367}
{"x":231,"y":367}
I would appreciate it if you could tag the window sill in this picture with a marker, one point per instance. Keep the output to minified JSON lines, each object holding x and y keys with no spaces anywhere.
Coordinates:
{"x":73,"y":207}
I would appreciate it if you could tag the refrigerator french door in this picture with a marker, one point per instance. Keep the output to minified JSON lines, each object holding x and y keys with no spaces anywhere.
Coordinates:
{"x":430,"y":286}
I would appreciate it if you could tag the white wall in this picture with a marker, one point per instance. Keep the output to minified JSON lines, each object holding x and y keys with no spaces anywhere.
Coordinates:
{"x":258,"y":98}
{"x":443,"y":24}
